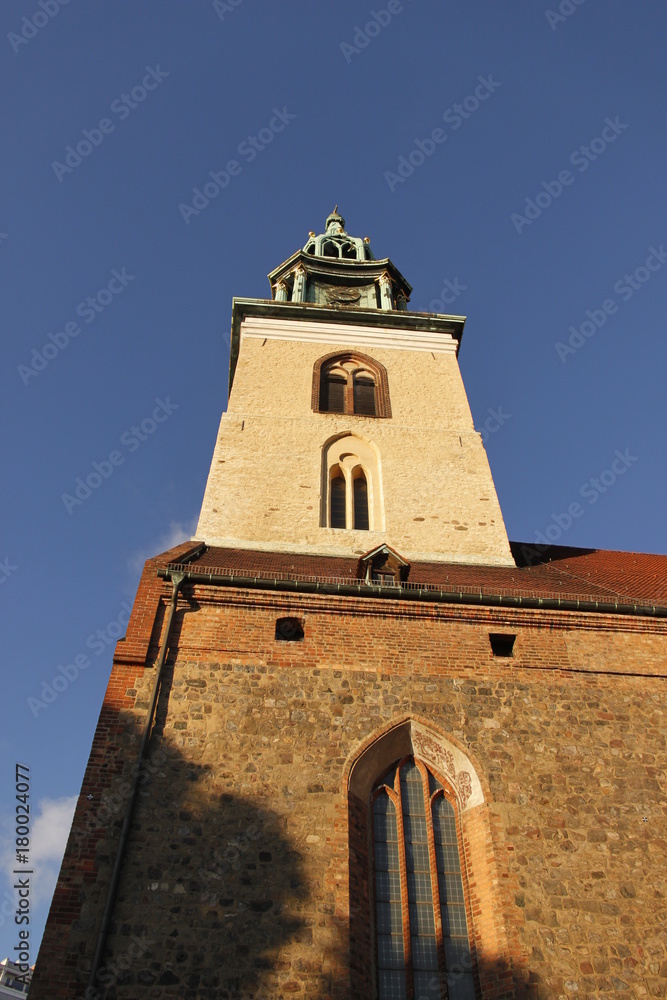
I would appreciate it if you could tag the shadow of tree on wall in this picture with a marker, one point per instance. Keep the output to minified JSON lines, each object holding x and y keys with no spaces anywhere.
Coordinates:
{"x":210,"y":892}
{"x":214,"y":899}
{"x":499,"y":982}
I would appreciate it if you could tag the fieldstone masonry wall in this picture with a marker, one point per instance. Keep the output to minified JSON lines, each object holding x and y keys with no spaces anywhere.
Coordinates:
{"x":242,"y":870}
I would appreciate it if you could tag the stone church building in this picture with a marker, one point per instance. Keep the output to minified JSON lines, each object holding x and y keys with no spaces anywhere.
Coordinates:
{"x":356,"y":745}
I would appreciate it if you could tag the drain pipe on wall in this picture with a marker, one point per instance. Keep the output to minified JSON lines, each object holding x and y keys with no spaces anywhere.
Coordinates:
{"x":176,"y":579}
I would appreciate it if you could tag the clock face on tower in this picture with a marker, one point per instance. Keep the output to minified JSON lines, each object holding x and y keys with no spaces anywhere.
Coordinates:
{"x":338,"y":296}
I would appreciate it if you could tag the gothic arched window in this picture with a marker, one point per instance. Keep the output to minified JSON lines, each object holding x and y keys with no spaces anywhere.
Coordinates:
{"x":351,"y":496}
{"x":421,"y":929}
{"x":338,"y":513}
{"x":348,"y":498}
{"x":350,"y":383}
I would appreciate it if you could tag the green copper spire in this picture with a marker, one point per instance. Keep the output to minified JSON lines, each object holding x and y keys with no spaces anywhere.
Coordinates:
{"x":337,"y":271}
{"x":335,"y":242}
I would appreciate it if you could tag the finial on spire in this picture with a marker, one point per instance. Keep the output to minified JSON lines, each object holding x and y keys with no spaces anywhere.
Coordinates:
{"x":335,"y":222}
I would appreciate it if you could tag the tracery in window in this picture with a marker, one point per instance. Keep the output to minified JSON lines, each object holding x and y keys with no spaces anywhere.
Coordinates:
{"x":350,"y":383}
{"x":421,"y":926}
{"x":339,"y":247}
{"x":351,"y":494}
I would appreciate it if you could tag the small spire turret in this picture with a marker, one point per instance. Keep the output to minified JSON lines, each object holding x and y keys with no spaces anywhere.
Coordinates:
{"x":339,"y":271}
{"x":335,"y":242}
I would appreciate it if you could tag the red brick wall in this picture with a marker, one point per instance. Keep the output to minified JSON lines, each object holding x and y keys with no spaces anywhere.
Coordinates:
{"x":238,"y":879}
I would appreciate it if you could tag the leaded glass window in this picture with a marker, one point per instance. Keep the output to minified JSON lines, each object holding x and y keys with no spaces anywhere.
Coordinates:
{"x":421,"y":925}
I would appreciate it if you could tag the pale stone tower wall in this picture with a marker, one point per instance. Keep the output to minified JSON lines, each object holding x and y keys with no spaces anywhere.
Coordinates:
{"x":434,"y":496}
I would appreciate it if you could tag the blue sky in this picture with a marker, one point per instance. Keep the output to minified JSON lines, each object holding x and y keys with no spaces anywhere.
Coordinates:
{"x":532,"y":146}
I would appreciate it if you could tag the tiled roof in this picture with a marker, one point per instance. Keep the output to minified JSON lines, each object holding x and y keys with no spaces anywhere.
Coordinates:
{"x":553,"y":572}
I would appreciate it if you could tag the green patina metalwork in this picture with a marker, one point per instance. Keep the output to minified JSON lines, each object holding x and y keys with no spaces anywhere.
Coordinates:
{"x":339,"y":271}
{"x":334,"y":242}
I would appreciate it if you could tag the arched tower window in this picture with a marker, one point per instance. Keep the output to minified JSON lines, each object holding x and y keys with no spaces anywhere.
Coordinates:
{"x":351,"y":488}
{"x":350,"y":383}
{"x":421,"y":927}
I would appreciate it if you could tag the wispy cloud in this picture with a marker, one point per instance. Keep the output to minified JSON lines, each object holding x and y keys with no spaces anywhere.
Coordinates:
{"x":179,"y":531}
{"x":50,"y":828}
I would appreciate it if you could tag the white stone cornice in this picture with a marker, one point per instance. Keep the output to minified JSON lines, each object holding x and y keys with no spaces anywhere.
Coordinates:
{"x":344,"y":334}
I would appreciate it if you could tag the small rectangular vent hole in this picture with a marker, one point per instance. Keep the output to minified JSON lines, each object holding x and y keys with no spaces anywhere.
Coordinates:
{"x":289,"y":630}
{"x":502,"y":644}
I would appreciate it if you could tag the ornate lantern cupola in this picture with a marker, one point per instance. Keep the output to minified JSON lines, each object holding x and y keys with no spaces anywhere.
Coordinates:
{"x":337,"y":270}
{"x":336,"y":243}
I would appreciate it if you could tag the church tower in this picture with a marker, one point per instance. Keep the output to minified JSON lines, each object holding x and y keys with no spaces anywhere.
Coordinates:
{"x":348,"y":425}
{"x":355,"y":744}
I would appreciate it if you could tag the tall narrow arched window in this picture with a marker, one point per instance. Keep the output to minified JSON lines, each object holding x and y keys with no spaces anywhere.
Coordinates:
{"x":421,"y":926}
{"x":351,"y":493}
{"x":360,"y":488}
{"x":338,"y":501}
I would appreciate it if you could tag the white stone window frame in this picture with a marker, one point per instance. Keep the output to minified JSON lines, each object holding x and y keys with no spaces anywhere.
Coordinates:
{"x":352,"y":455}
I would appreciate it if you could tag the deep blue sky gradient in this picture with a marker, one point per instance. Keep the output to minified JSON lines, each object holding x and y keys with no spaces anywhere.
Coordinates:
{"x":166,"y":334}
